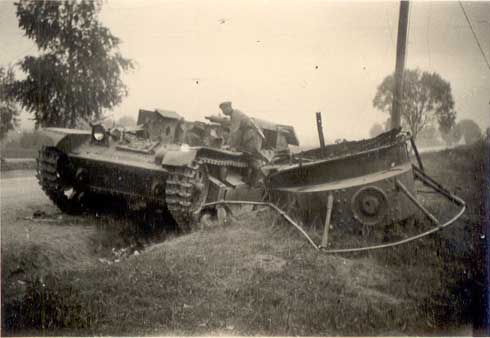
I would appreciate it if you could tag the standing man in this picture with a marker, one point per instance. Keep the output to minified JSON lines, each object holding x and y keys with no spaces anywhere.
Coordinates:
{"x":244,"y":134}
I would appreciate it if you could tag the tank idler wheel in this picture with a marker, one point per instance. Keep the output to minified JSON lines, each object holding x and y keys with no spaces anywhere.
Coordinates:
{"x":216,"y":217}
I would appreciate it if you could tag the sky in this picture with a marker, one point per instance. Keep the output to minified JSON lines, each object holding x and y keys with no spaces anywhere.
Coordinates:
{"x":284,"y":60}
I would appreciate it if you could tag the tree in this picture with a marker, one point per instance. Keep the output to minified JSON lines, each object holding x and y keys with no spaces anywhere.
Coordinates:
{"x":428,"y":136}
{"x":9,"y":112}
{"x":126,"y":121}
{"x":78,"y":72}
{"x":426,"y":98}
{"x":387,"y":124}
{"x":469,"y":130}
{"x":375,"y":130}
{"x":452,"y":137}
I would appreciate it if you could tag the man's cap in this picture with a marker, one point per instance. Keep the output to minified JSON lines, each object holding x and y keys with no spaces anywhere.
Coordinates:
{"x":225,"y":104}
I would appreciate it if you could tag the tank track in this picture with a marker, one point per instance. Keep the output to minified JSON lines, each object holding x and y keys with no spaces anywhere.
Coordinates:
{"x":223,"y":163}
{"x":51,"y":181}
{"x":180,"y":189}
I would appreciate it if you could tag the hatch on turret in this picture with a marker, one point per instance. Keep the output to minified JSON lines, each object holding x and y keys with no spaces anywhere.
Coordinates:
{"x":161,"y":125}
{"x":277,"y":136}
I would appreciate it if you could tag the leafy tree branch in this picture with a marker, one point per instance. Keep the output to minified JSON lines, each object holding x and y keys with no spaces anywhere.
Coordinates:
{"x":78,"y":72}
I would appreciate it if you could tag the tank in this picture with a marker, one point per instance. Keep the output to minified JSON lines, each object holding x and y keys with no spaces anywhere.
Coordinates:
{"x":360,"y":176}
{"x":184,"y":168}
{"x":357,"y":187}
{"x":164,"y":163}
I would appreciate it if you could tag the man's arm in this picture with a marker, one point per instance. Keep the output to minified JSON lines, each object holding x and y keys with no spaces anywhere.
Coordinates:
{"x":225,"y":122}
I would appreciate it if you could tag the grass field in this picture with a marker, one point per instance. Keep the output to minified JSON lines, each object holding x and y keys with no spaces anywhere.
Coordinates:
{"x":255,"y":276}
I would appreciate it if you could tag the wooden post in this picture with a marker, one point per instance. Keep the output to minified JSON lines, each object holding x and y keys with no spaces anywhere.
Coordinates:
{"x":328,"y":216}
{"x":320,"y":129}
{"x":400,"y":64}
{"x":417,"y":155}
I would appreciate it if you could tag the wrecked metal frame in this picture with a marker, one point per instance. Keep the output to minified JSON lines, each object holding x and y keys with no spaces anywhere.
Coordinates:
{"x":419,"y":174}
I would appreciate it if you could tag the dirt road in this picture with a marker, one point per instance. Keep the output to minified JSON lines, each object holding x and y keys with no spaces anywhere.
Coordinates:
{"x":18,"y":188}
{"x":35,"y":235}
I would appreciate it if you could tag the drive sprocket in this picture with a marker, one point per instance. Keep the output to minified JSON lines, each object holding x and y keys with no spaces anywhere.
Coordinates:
{"x":52,"y":177}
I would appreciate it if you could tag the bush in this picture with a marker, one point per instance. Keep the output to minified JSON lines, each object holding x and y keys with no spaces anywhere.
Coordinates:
{"x":34,"y":140}
{"x":25,"y":145}
{"x":470,"y":130}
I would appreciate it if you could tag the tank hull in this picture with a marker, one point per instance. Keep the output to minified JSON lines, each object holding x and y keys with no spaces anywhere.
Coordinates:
{"x":146,"y":173}
{"x":361,"y":177}
{"x":132,"y":179}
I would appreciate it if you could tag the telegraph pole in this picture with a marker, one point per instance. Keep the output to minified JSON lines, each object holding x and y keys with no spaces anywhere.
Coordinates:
{"x":400,"y":64}
{"x":320,"y":130}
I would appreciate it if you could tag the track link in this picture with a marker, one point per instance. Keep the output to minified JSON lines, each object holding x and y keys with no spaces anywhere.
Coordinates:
{"x":185,"y":191}
{"x":49,"y":176}
{"x":187,"y":188}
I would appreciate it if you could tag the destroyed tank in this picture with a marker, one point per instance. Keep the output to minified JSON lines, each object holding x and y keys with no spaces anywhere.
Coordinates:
{"x":362,"y":178}
{"x":165,"y":163}
{"x":358,"y":186}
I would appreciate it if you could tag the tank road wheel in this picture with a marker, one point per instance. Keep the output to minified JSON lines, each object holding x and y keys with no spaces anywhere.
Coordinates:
{"x":51,"y":174}
{"x":186,"y":191}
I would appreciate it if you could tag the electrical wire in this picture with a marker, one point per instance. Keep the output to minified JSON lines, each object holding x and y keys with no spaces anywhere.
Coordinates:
{"x":474,"y":35}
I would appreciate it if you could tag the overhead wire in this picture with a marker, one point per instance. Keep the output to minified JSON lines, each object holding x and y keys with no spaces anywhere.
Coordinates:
{"x":474,"y":35}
